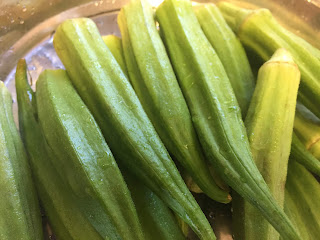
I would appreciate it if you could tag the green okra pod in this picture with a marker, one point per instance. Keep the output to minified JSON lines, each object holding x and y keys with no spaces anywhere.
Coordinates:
{"x":307,"y":129}
{"x":155,"y":84}
{"x":157,"y":221}
{"x":260,"y":33}
{"x":66,"y":217}
{"x":19,"y":209}
{"x":304,"y":192}
{"x":214,"y":109}
{"x":84,"y":160}
{"x":230,"y":52}
{"x":133,"y":140}
{"x":269,"y":125}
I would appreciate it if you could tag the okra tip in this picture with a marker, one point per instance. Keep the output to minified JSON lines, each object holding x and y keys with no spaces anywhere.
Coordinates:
{"x":282,"y":55}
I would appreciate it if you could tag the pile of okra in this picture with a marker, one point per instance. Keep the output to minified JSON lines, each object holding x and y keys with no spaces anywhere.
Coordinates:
{"x":216,"y":100}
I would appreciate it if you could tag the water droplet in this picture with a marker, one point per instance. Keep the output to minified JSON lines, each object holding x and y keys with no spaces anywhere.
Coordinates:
{"x":24,"y":9}
{"x":12,"y":21}
{"x":21,"y":21}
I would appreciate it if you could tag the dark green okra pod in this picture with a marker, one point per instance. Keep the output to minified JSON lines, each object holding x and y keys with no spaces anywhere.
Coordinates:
{"x":229,"y":51}
{"x":214,"y":109}
{"x":133,"y":140}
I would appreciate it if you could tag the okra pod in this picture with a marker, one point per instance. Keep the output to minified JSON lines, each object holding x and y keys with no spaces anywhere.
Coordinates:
{"x":230,"y":52}
{"x":19,"y":207}
{"x":66,"y":217}
{"x":157,"y":221}
{"x":304,"y":191}
{"x":308,"y":131}
{"x":214,"y":109}
{"x":84,"y":160}
{"x":272,"y":108}
{"x":300,"y":154}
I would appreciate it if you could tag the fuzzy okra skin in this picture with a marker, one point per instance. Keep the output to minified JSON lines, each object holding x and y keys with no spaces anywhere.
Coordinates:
{"x":84,"y":159}
{"x":19,"y":209}
{"x":303,"y":156}
{"x":157,"y":88}
{"x":272,"y":107}
{"x":304,"y":191}
{"x":215,"y":111}
{"x":259,"y":32}
{"x":230,"y":52}
{"x":157,"y":221}
{"x":131,"y":136}
{"x":60,"y":204}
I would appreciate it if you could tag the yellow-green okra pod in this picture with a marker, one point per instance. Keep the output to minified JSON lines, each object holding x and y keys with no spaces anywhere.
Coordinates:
{"x":230,"y":52}
{"x":84,"y":160}
{"x":155,"y":84}
{"x":130,"y":134}
{"x":269,"y":125}
{"x":300,"y":154}
{"x":19,"y":207}
{"x":260,"y":33}
{"x":307,"y":129}
{"x":214,"y":109}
